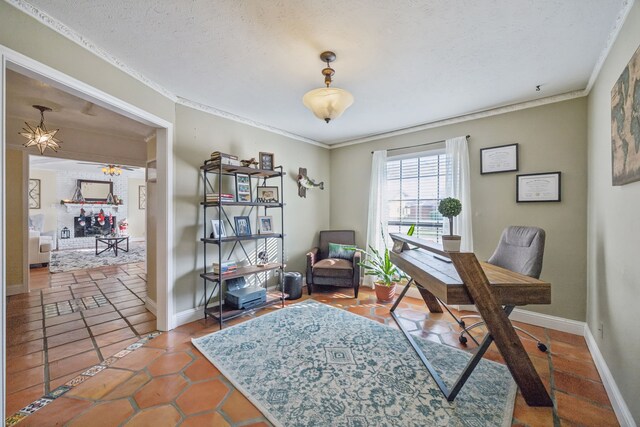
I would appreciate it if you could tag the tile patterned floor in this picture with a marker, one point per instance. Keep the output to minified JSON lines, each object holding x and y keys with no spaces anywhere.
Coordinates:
{"x":70,"y":322}
{"x":168,"y":382}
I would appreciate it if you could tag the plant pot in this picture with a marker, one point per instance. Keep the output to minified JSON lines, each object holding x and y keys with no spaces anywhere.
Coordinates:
{"x":385,"y":293}
{"x":451,"y":243}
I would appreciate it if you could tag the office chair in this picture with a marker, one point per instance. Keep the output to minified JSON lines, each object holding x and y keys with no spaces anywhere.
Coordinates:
{"x":521,"y":250}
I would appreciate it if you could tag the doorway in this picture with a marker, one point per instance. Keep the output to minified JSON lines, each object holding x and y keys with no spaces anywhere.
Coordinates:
{"x":163,"y":270}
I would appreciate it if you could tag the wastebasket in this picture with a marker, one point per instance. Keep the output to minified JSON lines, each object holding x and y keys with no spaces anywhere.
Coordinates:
{"x":293,"y":284}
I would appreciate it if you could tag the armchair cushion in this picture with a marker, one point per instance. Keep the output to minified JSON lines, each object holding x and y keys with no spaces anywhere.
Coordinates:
{"x":343,"y":237}
{"x":333,"y":267}
{"x":336,"y":250}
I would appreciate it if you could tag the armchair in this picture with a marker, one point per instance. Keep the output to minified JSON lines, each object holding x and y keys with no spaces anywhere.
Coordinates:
{"x":39,"y":248}
{"x":338,"y":272}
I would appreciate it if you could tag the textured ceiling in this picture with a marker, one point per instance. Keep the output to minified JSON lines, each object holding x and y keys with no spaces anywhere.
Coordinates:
{"x":406,"y":62}
{"x":69,"y":111}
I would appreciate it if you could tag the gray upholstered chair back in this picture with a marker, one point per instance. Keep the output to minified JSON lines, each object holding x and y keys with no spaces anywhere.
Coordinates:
{"x":521,"y":250}
{"x":343,"y":237}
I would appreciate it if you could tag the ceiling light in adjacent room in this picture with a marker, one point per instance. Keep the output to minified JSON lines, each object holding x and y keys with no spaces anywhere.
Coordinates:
{"x":40,"y":136}
{"x":328,"y":103}
{"x":112,"y":170}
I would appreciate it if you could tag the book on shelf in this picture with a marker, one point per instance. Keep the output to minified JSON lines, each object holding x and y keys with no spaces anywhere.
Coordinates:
{"x":215,"y":197}
{"x":225,"y":267}
{"x":218,"y":155}
{"x":224,"y":161}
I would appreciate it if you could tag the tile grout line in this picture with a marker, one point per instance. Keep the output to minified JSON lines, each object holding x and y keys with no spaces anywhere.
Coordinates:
{"x":45,"y":347}
{"x":74,"y":382}
{"x":91,"y":336}
{"x":118,"y":310}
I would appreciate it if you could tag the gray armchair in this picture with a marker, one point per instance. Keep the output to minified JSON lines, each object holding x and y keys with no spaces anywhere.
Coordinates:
{"x":325,"y":271}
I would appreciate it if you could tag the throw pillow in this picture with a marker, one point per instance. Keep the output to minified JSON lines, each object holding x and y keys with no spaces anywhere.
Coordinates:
{"x":337,"y":250}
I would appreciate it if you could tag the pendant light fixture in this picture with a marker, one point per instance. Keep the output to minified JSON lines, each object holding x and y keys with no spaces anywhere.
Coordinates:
{"x":112,"y":170}
{"x":328,"y":103}
{"x":40,"y":136}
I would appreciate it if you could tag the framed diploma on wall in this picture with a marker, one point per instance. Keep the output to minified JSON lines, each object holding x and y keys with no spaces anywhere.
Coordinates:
{"x":538,"y":187}
{"x":503,"y":158}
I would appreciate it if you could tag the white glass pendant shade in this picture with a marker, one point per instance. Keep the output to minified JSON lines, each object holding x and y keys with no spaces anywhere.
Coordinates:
{"x":327,"y":103}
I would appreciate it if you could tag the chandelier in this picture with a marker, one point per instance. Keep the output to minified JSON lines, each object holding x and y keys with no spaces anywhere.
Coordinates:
{"x":40,"y":136}
{"x":327,"y":103}
{"x":112,"y":170}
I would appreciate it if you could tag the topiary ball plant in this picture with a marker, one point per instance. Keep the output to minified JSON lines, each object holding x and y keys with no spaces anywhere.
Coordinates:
{"x":450,"y":208}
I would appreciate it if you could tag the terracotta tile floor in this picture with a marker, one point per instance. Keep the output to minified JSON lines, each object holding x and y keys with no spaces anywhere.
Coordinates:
{"x":70,"y":322}
{"x":168,"y":382}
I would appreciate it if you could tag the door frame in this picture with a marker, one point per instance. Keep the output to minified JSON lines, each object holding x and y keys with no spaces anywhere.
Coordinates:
{"x":164,"y":156}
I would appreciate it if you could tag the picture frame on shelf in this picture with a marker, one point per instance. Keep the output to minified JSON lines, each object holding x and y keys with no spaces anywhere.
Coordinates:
{"x":499,"y":159}
{"x":266,"y":161}
{"x":243,"y":225}
{"x":538,"y":187}
{"x":218,"y":230}
{"x":265,"y":225}
{"x":243,"y":188}
{"x":267,"y":194}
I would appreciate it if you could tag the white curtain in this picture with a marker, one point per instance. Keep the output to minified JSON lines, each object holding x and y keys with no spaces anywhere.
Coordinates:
{"x":377,"y":222}
{"x":458,"y":186}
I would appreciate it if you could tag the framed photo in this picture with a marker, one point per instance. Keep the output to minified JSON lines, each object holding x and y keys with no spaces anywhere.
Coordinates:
{"x":243,"y":188}
{"x":243,"y":226}
{"x":265,"y":225}
{"x":152,"y":171}
{"x":34,"y":194}
{"x":268,"y":195}
{"x":217,"y":225}
{"x":142,"y":197}
{"x":538,"y":187}
{"x":266,"y":161}
{"x":503,"y":158}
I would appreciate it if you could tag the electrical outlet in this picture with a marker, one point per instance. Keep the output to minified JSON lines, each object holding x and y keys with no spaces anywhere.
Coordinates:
{"x":601,"y":329}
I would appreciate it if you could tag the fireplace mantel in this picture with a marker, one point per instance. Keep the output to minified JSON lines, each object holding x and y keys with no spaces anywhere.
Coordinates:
{"x":73,"y":207}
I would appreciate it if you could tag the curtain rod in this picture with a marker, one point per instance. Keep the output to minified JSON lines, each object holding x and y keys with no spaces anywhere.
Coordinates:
{"x":420,"y":145}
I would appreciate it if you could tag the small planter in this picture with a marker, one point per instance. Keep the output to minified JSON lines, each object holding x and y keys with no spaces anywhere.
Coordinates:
{"x":385,"y":293}
{"x":451,"y":243}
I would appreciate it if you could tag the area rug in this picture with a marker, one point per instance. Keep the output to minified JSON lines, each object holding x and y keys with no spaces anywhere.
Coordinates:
{"x":310,"y":364}
{"x":81,"y":259}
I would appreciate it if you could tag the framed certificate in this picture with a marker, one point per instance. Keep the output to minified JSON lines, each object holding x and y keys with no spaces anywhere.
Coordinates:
{"x":503,"y":158}
{"x":538,"y":187}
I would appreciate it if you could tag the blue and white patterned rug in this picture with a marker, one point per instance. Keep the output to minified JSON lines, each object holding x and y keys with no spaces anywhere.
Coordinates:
{"x":83,"y":259}
{"x":310,"y":364}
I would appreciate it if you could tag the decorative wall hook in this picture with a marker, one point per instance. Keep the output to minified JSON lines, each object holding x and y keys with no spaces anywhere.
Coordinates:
{"x":305,"y":183}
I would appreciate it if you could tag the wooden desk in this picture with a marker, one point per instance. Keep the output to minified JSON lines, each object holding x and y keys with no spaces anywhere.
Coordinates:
{"x":493,"y":290}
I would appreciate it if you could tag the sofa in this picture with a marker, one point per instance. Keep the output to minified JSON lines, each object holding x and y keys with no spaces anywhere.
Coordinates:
{"x":40,"y":248}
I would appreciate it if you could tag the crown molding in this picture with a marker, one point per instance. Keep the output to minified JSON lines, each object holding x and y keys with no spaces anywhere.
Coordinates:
{"x":611,"y":39}
{"x":226,"y":115}
{"x":84,"y":42}
{"x":466,"y":117}
{"x":79,"y":39}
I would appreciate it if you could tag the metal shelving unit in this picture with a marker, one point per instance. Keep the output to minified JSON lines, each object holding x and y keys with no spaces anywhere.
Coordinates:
{"x":222,"y":313}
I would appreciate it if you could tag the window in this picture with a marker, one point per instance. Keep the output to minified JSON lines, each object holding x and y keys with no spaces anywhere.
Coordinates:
{"x":415,"y":187}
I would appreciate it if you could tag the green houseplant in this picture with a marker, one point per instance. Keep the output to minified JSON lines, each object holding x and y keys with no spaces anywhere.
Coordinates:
{"x":450,"y":208}
{"x":377,"y":263}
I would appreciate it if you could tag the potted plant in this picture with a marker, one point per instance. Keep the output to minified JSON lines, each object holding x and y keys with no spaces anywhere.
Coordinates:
{"x":388,"y":275}
{"x":450,"y":208}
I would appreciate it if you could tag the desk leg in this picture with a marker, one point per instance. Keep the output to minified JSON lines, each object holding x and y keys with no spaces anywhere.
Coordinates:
{"x":501,"y":329}
{"x":429,"y":299}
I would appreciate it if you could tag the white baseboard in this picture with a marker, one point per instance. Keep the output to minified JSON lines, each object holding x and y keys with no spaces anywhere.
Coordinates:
{"x":617,"y":401}
{"x":151,"y":305}
{"x":547,"y":321}
{"x":15,"y":290}
{"x":525,"y":316}
{"x":188,"y":316}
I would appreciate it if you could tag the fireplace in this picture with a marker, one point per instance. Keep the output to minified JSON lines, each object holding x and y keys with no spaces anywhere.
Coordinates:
{"x":92,"y":227}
